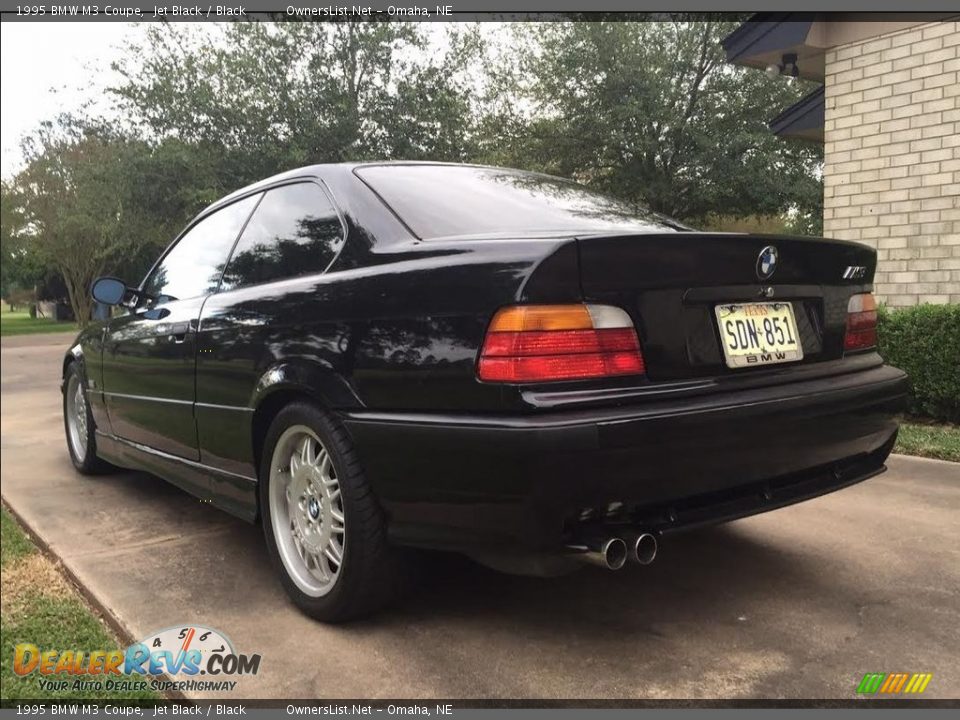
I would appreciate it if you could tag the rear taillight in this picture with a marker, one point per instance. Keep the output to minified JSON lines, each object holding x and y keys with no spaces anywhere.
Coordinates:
{"x":861,"y":323}
{"x":533,"y":343}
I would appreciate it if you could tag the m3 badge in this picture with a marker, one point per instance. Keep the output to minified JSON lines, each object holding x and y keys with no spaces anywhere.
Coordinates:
{"x":854,"y":272}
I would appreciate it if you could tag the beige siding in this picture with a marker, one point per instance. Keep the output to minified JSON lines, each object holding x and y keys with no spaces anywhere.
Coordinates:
{"x":892,"y":158}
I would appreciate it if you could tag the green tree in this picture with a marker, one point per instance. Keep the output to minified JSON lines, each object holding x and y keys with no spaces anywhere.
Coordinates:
{"x":262,"y":98}
{"x":653,"y":113}
{"x":20,"y":268}
{"x":74,"y":218}
{"x":93,"y":202}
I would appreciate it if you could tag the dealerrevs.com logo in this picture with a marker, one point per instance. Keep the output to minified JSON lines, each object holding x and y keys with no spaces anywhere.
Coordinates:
{"x":184,"y":653}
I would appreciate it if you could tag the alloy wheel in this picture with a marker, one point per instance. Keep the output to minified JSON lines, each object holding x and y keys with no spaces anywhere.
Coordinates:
{"x":306,"y":511}
{"x":77,"y":417}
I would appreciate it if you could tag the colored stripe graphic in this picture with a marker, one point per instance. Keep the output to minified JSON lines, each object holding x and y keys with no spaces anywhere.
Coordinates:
{"x":894,"y":683}
{"x":871,"y":683}
{"x":920,"y":682}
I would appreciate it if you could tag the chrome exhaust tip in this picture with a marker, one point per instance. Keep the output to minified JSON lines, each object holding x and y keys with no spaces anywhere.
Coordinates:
{"x":614,"y":553}
{"x":643,"y":548}
{"x":610,"y":553}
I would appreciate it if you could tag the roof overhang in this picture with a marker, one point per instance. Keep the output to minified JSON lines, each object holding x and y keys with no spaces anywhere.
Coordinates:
{"x":765,"y":38}
{"x":803,"y":119}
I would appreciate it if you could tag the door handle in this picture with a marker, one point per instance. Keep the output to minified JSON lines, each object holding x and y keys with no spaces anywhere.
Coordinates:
{"x":178,"y":330}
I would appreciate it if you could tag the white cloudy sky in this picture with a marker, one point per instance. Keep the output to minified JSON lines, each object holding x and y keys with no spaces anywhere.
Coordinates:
{"x":49,"y":67}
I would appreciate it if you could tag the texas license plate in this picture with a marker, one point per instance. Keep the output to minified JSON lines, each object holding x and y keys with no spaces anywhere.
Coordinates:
{"x":758,"y":334}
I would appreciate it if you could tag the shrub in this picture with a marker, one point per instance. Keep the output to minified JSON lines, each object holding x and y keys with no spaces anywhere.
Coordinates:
{"x":924,"y":342}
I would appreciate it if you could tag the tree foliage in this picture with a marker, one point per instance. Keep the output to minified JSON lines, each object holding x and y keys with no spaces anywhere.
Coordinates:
{"x":75,"y":221}
{"x":265,"y":98}
{"x":652,"y":112}
{"x":91,"y":201}
{"x":20,"y":268}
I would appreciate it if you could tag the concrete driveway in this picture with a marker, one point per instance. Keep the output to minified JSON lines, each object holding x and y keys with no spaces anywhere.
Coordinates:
{"x":798,"y":603}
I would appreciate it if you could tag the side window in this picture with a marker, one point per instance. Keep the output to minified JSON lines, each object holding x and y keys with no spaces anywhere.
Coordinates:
{"x":193,"y":266}
{"x":294,"y":231}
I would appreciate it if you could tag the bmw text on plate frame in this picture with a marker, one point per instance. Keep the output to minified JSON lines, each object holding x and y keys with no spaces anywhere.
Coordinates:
{"x":334,"y":351}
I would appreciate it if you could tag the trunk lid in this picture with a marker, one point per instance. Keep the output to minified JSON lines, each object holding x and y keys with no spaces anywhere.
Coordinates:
{"x":672,"y":282}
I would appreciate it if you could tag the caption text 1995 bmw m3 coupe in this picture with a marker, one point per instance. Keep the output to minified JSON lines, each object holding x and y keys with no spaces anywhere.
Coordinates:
{"x":496,"y":362}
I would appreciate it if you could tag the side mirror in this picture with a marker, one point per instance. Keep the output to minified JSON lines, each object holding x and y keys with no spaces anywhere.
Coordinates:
{"x":108,"y":290}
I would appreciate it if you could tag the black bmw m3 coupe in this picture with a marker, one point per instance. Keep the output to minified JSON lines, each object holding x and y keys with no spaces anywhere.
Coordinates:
{"x":366,"y":357}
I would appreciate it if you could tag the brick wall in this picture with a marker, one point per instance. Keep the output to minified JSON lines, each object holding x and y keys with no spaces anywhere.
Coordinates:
{"x":892,"y":158}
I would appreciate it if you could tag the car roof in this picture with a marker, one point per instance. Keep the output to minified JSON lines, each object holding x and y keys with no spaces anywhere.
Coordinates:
{"x":322,"y":169}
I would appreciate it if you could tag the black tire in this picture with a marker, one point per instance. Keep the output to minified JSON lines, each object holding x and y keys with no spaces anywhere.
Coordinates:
{"x":371,"y":574}
{"x":89,"y":464}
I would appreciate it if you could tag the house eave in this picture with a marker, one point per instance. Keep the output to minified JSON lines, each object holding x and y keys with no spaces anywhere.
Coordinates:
{"x":803,"y":120}
{"x":765,"y":38}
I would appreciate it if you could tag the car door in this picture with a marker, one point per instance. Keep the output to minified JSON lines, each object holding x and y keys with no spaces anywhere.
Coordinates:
{"x":149,"y":355}
{"x":270,"y":308}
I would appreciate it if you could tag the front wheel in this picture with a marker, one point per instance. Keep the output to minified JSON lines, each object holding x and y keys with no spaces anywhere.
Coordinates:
{"x":324,"y":530}
{"x":79,"y":425}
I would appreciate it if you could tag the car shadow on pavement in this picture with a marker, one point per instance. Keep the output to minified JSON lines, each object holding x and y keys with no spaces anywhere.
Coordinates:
{"x":709,"y":571}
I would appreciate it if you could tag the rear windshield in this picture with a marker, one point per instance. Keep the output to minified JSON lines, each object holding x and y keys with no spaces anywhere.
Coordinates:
{"x":442,"y":201}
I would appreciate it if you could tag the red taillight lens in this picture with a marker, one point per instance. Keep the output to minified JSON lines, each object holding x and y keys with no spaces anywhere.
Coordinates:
{"x":861,"y":323}
{"x":531,"y":343}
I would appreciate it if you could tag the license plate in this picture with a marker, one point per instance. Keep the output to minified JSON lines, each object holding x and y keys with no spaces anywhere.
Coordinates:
{"x":758,"y":334}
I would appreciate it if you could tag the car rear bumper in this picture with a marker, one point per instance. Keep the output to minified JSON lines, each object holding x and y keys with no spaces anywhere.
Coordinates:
{"x":536,"y":481}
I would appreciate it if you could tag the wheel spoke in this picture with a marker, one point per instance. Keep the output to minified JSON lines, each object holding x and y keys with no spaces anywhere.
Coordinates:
{"x":333,"y":552}
{"x":305,"y":450}
{"x":335,"y":567}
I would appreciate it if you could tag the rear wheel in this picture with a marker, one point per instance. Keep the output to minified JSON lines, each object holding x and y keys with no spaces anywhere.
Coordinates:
{"x":324,"y":529}
{"x":79,"y":425}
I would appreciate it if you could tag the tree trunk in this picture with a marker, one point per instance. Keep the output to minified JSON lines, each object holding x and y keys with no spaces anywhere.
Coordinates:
{"x":78,"y":290}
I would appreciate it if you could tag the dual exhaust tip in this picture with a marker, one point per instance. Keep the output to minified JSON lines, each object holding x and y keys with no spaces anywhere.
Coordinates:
{"x":613,"y":553}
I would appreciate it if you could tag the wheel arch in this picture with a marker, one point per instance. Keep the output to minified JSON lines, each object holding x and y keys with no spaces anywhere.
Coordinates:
{"x":289,"y":382}
{"x":73,"y":355}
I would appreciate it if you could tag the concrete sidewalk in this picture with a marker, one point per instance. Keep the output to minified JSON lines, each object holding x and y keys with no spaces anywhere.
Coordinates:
{"x":798,"y":603}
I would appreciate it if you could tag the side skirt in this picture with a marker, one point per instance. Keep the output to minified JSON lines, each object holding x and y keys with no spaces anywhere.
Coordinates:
{"x":227,"y":491}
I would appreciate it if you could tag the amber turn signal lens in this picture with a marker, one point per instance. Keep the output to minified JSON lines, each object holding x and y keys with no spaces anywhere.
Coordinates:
{"x":522,"y":318}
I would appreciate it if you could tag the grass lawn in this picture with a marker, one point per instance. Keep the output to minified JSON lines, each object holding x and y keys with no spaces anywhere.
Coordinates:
{"x":20,"y":323}
{"x":41,"y":607}
{"x":940,"y":441}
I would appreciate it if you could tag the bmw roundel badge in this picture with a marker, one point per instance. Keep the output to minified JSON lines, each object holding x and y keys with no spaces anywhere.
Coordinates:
{"x":767,"y":262}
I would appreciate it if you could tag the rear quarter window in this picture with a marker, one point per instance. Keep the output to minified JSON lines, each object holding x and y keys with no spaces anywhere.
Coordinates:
{"x":294,"y":231}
